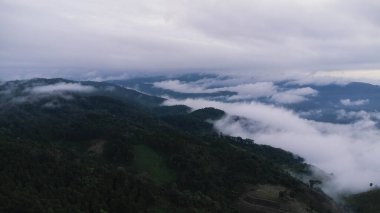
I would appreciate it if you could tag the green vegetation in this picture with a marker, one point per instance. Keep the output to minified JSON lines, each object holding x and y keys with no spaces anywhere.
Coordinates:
{"x":147,"y":160}
{"x":91,"y":153}
{"x":366,"y":202}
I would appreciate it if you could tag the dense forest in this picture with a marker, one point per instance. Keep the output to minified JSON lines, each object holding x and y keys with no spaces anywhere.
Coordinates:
{"x":117,"y":150}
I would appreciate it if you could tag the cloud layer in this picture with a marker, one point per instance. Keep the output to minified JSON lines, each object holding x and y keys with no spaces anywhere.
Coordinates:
{"x":349,"y":152}
{"x":51,"y":38}
{"x":61,"y":87}
{"x":16,"y":92}
{"x":244,"y":90}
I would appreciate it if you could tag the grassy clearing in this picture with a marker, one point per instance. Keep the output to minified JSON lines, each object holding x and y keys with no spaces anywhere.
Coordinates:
{"x":149,"y":161}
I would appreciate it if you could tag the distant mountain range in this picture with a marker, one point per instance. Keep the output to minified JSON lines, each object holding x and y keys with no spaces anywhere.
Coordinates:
{"x":331,"y":103}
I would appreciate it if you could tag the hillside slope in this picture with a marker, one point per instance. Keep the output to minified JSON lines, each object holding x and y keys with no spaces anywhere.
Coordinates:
{"x":70,"y":146}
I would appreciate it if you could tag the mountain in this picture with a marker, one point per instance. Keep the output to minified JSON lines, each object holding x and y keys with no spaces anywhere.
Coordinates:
{"x":334,"y":103}
{"x":146,"y":85}
{"x":68,"y":146}
{"x":18,"y":89}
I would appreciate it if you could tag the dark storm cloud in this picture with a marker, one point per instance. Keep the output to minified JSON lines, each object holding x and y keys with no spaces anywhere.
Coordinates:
{"x":50,"y":38}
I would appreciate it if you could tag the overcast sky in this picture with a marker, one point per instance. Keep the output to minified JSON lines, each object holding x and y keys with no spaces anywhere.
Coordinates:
{"x":102,"y":37}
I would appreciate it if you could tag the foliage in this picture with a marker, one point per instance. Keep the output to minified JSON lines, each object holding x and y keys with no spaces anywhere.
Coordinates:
{"x":89,"y":153}
{"x":147,"y":160}
{"x":366,"y":202}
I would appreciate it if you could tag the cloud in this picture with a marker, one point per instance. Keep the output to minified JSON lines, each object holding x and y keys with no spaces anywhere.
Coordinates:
{"x":71,"y":38}
{"x":348,"y":151}
{"x":182,"y":87}
{"x":243,"y":90}
{"x":252,"y":90}
{"x":61,"y":87}
{"x":269,"y":90}
{"x":16,"y":92}
{"x":349,"y":102}
{"x":354,"y":115}
{"x":294,"y":95}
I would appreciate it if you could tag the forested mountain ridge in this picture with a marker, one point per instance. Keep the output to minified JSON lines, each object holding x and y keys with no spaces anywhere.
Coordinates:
{"x":69,"y":146}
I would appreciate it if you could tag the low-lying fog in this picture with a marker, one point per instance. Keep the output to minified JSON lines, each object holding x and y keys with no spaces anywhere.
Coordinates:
{"x":347,"y":152}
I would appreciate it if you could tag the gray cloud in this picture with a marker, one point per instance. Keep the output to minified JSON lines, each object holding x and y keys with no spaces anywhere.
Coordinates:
{"x":45,"y":38}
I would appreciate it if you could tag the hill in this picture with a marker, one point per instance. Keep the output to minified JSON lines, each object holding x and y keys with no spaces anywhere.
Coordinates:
{"x":366,"y":202}
{"x":69,"y":146}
